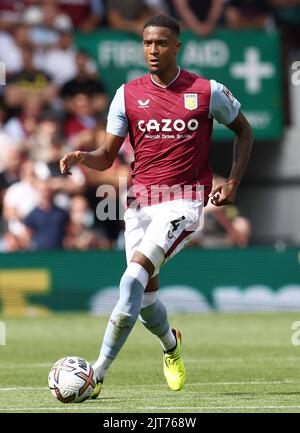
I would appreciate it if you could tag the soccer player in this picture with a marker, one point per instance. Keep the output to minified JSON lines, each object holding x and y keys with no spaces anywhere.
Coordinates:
{"x":168,"y":114}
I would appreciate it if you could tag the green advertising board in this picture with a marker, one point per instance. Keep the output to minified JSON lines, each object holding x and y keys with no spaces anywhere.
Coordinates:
{"x":247,"y":62}
{"x":193,"y":281}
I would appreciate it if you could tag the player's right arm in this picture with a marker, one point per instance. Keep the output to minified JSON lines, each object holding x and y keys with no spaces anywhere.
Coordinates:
{"x":104,"y":156}
{"x":99,"y":159}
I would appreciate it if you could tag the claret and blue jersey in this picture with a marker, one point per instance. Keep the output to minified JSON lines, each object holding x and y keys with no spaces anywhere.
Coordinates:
{"x":170,"y":127}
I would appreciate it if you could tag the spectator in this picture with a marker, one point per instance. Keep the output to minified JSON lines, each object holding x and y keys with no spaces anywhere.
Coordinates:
{"x":85,"y":139}
{"x":6,"y":142}
{"x":106,"y":229}
{"x":171,"y":10}
{"x":109,"y":229}
{"x":159,"y":6}
{"x":247,"y":14}
{"x":81,"y":121}
{"x":62,"y":186}
{"x":129,"y":15}
{"x":2,"y":113}
{"x":9,"y":175}
{"x":201,"y":17}
{"x":64,"y":55}
{"x":21,"y":35}
{"x":46,"y":223}
{"x":10,"y":13}
{"x":287,"y":16}
{"x":28,"y":82}
{"x":5,"y":139}
{"x":20,"y":127}
{"x":86,"y":15}
{"x":10,"y":48}
{"x":46,"y":20}
{"x":46,"y":132}
{"x":223,"y":226}
{"x":80,"y":232}
{"x":11,"y":44}
{"x":120,"y":167}
{"x":85,"y":81}
{"x":19,"y":199}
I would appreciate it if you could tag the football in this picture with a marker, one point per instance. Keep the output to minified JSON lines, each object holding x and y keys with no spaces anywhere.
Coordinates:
{"x":71,"y":379}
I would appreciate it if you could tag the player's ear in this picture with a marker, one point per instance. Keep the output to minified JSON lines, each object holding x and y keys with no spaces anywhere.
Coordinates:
{"x":178,"y":46}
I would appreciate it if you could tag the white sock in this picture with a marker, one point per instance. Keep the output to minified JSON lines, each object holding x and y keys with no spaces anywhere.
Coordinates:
{"x":101,"y":366}
{"x":168,"y":341}
{"x":132,"y":286}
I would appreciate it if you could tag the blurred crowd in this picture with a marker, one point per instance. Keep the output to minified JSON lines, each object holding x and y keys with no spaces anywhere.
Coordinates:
{"x":54,"y":101}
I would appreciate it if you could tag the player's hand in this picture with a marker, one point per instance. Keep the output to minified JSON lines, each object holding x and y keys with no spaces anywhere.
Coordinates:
{"x":204,"y":29}
{"x":225,"y":193}
{"x":69,"y":160}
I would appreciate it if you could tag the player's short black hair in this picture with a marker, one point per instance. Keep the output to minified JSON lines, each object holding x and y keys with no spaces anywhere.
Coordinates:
{"x":163,"y":21}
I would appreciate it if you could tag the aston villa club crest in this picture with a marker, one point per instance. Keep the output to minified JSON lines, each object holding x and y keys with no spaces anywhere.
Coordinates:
{"x":190,"y":101}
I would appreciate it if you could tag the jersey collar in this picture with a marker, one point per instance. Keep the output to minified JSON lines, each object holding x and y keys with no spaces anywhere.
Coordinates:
{"x":169,"y":84}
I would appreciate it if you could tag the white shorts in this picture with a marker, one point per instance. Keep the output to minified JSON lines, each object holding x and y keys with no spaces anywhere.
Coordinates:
{"x":168,"y":225}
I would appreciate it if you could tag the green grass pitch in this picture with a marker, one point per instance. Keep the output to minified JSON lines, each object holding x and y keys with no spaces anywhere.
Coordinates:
{"x":234,"y":362}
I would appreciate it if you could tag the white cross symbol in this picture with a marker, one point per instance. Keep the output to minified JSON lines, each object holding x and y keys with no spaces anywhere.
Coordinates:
{"x":252,"y":70}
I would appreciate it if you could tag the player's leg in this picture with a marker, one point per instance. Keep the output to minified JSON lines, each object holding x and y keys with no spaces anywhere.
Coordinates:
{"x":124,"y":315}
{"x":170,"y":228}
{"x":132,"y":286}
{"x":146,"y":260}
{"x":154,"y":315}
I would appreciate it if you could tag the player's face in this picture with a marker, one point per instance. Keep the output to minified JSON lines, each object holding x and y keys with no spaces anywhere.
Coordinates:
{"x":160,"y":49}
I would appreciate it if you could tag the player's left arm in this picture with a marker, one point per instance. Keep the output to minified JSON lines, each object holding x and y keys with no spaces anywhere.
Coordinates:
{"x":226,"y":109}
{"x":225,"y":193}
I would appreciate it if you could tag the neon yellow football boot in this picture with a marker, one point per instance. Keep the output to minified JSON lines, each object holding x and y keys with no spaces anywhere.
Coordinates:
{"x":174,"y":369}
{"x":97,"y":389}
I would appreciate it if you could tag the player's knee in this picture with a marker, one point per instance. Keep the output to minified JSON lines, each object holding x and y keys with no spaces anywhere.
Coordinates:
{"x":154,"y":253}
{"x":132,"y":286}
{"x":131,"y":291}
